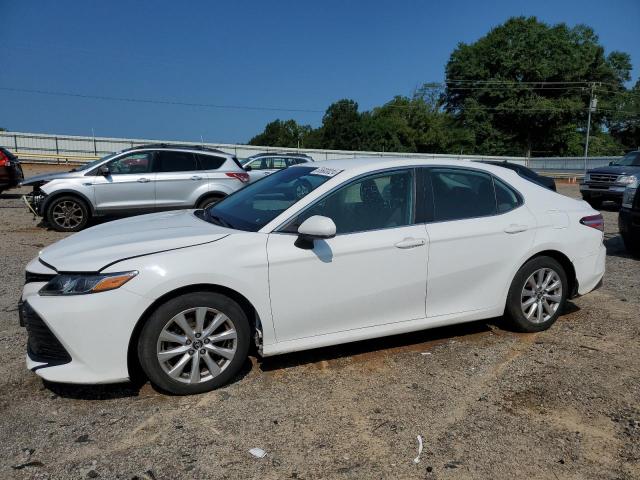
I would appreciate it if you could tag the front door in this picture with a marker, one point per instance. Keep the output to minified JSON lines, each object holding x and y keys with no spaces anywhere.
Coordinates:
{"x":129,"y":186}
{"x":373,"y":272}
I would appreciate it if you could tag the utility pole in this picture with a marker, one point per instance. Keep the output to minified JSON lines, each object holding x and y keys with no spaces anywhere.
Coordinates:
{"x":593,"y":102}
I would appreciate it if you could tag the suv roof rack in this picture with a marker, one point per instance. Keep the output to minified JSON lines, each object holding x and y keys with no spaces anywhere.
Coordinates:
{"x":280,"y":154}
{"x":177,"y":146}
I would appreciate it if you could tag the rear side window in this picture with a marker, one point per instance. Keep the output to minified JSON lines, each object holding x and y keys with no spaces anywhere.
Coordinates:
{"x":209,"y":162}
{"x":459,"y":194}
{"x":506,"y":198}
{"x":175,"y":162}
{"x":279,"y":163}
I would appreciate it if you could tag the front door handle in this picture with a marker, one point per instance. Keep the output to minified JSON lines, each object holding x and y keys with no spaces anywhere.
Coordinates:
{"x":513,"y":228}
{"x":196,"y":177}
{"x":143,"y":180}
{"x":411,"y":243}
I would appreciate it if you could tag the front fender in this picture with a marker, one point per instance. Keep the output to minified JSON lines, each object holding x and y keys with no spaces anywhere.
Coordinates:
{"x":56,"y":188}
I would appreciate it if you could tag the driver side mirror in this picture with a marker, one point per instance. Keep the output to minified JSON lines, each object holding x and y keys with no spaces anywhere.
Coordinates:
{"x":611,"y":163}
{"x":313,"y":228}
{"x":103,"y":170}
{"x":248,"y":168}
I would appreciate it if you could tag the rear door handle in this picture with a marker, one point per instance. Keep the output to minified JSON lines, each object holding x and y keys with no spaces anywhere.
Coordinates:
{"x":143,"y":180}
{"x":410,"y":243}
{"x":196,"y":177}
{"x":513,"y":228}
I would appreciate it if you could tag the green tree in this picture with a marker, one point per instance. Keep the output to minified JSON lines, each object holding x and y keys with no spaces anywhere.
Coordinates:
{"x":342,"y":126}
{"x":282,"y":133}
{"x":624,"y":123}
{"x":494,"y":90}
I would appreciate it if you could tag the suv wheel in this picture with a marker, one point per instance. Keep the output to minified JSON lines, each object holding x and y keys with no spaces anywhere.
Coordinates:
{"x":209,"y":201}
{"x":537,"y":295}
{"x":632,"y":244}
{"x":67,"y":213}
{"x":194,"y":343}
{"x":595,"y":203}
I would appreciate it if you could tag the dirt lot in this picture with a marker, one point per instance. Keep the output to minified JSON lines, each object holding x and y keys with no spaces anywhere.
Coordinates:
{"x":562,"y":404}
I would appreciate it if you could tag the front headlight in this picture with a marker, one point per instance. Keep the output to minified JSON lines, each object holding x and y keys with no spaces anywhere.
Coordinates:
{"x":82,"y":283}
{"x":626,"y":179}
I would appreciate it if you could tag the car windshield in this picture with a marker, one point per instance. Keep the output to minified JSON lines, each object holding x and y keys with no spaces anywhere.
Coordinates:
{"x":630,"y":159}
{"x":90,"y":165}
{"x":254,"y":206}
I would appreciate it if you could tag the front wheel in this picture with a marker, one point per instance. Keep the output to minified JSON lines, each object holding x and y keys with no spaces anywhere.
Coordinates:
{"x":194,"y":343}
{"x":632,"y":244}
{"x":537,"y":295}
{"x":596,"y":203}
{"x":67,"y":214}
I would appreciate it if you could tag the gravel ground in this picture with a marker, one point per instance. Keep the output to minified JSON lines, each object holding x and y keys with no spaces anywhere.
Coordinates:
{"x":489,"y":403}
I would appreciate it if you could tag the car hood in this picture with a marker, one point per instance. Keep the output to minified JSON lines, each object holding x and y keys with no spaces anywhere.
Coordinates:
{"x":94,"y":249}
{"x":47,"y":177}
{"x":617,"y":169}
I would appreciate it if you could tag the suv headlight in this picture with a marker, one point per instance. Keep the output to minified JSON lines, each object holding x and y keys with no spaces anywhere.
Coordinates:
{"x":82,"y":283}
{"x":626,"y":179}
{"x":630,"y":192}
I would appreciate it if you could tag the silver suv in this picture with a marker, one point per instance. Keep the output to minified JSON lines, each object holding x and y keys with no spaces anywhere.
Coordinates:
{"x":137,"y":180}
{"x":263,"y":164}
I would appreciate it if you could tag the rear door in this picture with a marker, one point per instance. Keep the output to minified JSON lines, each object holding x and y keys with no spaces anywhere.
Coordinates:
{"x":179,"y":182}
{"x":129,"y":186}
{"x":480,"y":230}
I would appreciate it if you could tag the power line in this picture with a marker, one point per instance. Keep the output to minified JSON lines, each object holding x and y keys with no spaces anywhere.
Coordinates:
{"x":158,"y":102}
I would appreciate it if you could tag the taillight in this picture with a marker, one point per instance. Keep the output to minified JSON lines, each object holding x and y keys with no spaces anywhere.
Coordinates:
{"x":243,"y":177}
{"x":593,"y":221}
{"x":4,"y":160}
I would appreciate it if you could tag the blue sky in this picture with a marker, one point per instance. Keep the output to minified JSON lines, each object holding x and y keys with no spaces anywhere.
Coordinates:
{"x":287,"y":54}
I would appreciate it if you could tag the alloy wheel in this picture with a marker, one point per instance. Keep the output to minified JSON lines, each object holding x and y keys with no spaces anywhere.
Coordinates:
{"x":196,"y":345}
{"x":541,"y":295}
{"x":67,"y":214}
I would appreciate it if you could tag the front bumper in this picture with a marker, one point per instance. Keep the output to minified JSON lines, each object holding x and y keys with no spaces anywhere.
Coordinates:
{"x":606,"y":192}
{"x":93,"y":330}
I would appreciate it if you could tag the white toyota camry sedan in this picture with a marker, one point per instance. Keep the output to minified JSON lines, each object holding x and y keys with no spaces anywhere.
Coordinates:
{"x":313,"y":255}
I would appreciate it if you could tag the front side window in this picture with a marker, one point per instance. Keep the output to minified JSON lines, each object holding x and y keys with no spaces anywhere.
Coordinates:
{"x":167,"y":161}
{"x":630,"y":159}
{"x":459,"y":194}
{"x":131,"y":164}
{"x":278,"y":163}
{"x":379,"y":201}
{"x":260,"y":164}
{"x":257,"y":204}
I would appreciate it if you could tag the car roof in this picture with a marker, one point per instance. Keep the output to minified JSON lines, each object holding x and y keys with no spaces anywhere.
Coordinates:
{"x":167,"y":146}
{"x":279,"y":154}
{"x":365,"y":164}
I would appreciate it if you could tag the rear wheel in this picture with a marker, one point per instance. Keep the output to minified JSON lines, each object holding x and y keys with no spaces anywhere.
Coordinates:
{"x":209,"y":201}
{"x":537,"y":295}
{"x":194,"y":343}
{"x":67,"y":213}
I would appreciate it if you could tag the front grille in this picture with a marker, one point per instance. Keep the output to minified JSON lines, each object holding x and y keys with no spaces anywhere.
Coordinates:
{"x":603,"y":178}
{"x":42,"y":344}
{"x":31,"y":277}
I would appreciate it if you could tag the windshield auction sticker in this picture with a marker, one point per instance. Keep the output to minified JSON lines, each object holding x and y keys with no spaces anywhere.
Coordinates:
{"x":326,"y":172}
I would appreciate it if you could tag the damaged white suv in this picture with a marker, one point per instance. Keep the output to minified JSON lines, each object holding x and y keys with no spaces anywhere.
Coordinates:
{"x":375,"y":247}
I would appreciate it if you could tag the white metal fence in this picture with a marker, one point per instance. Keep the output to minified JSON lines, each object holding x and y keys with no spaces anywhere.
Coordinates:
{"x":76,"y":149}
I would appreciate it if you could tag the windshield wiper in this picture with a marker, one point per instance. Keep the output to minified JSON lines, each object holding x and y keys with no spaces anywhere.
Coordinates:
{"x":216,"y":219}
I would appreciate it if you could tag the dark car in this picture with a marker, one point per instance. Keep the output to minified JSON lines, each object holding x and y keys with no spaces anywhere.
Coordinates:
{"x":527,"y":173}
{"x":608,"y":183}
{"x":10,"y":170}
{"x":629,"y":219}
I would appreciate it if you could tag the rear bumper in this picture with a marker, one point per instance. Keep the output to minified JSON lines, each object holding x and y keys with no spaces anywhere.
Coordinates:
{"x":590,"y":270}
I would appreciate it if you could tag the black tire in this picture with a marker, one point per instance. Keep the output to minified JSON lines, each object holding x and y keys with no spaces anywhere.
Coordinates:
{"x":631,"y":244}
{"x":595,"y":203}
{"x":301,"y":189}
{"x":148,"y":343}
{"x":78,"y":213}
{"x":210,"y":200}
{"x":514,"y":308}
